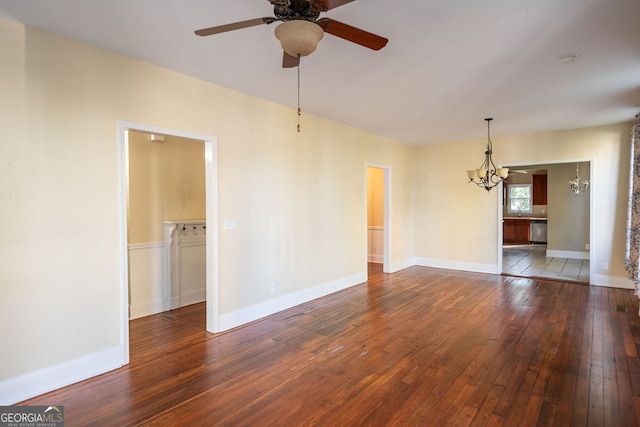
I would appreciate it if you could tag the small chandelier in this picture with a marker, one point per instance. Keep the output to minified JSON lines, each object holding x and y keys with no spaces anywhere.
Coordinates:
{"x":488,"y":175}
{"x":578,"y":184}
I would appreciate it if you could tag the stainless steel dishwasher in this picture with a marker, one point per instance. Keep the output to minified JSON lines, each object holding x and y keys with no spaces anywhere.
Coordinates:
{"x":538,"y":230}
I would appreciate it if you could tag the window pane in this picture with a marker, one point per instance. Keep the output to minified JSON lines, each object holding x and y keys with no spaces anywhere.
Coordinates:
{"x":518,"y":192}
{"x":520,"y":198}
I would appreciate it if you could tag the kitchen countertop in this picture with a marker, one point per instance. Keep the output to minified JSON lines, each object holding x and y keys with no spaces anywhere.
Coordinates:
{"x":526,"y":217}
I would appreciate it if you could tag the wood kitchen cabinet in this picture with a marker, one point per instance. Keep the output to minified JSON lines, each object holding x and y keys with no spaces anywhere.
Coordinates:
{"x":516,"y":231}
{"x":539,"y":189}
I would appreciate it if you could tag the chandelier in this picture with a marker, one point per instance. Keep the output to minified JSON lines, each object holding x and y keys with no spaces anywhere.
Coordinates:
{"x":488,"y":175}
{"x":578,"y":185}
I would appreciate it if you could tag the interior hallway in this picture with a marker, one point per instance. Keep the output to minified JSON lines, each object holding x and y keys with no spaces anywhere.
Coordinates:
{"x":531,"y":261}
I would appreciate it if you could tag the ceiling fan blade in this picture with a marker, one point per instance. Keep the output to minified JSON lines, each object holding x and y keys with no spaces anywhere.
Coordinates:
{"x":290,"y":61}
{"x":353,"y":34}
{"x":332,"y":4}
{"x":235,"y":26}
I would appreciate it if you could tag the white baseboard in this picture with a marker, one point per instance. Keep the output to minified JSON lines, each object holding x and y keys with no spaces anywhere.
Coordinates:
{"x":25,"y":386}
{"x":401,"y":265}
{"x":147,"y":308}
{"x":612,"y":281}
{"x":551,"y":253}
{"x":193,"y":297}
{"x":258,"y":311}
{"x":457,"y":265}
{"x":375,"y":258}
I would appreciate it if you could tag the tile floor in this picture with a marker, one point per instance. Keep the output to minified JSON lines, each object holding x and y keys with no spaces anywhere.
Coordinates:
{"x":531,"y":261}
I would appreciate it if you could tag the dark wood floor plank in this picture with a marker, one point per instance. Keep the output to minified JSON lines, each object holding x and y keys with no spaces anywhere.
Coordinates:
{"x":418,"y":347}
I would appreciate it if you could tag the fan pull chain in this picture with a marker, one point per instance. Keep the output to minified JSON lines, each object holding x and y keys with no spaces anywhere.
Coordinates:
{"x":299,"y":110}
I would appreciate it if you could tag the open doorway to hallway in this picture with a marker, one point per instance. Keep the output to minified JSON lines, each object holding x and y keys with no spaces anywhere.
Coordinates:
{"x":166,"y":223}
{"x":207,"y":226}
{"x":378,"y":211}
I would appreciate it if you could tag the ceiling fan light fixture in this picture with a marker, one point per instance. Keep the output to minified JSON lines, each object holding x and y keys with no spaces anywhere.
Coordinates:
{"x":299,"y":37}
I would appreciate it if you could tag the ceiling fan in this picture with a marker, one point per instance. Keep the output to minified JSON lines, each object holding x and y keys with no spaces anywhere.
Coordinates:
{"x":302,"y":28}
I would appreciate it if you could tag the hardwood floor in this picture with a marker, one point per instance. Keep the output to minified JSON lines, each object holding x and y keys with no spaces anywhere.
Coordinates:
{"x":421,"y":347}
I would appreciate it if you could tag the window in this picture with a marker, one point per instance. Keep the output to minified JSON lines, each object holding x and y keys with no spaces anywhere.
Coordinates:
{"x":520,"y":198}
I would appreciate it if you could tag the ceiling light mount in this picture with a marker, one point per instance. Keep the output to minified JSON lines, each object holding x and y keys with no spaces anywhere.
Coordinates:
{"x":569,"y":58}
{"x":488,"y":175}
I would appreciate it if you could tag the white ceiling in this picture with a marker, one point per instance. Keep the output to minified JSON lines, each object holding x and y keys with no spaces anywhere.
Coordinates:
{"x":447,"y":66}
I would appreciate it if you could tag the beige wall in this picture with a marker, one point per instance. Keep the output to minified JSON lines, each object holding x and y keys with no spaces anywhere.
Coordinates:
{"x":166,"y":183}
{"x":375,"y":197}
{"x":569,"y":215}
{"x":299,"y":199}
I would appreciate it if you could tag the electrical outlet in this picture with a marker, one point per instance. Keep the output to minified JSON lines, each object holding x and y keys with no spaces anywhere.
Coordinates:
{"x":586,"y":246}
{"x":605,"y":266}
{"x":273,"y":287}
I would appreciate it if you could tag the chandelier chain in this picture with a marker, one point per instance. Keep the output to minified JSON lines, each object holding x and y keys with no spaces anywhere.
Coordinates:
{"x":299,"y":110}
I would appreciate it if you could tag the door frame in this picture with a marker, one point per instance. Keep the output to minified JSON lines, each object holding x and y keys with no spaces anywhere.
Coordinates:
{"x":592,"y":248}
{"x":211,"y":191}
{"x":386,"y":231}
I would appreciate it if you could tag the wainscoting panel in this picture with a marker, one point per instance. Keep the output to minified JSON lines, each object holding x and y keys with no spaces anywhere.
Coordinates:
{"x":375,"y":243}
{"x":171,"y":274}
{"x":146,"y":293}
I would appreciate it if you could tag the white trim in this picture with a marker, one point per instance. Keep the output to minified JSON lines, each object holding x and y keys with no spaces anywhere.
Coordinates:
{"x":211,"y":177}
{"x":457,"y":265}
{"x":592,"y":227}
{"x":267,"y":308}
{"x":612,"y":281}
{"x":143,"y":246}
{"x":38,"y":382}
{"x":123,"y":184}
{"x":193,"y":297}
{"x":147,"y":308}
{"x":401,"y":265}
{"x":552,"y":253}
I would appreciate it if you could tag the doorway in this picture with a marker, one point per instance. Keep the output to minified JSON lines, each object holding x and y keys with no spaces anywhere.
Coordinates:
{"x":563,"y":252}
{"x":378,"y":179}
{"x":211,"y":221}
